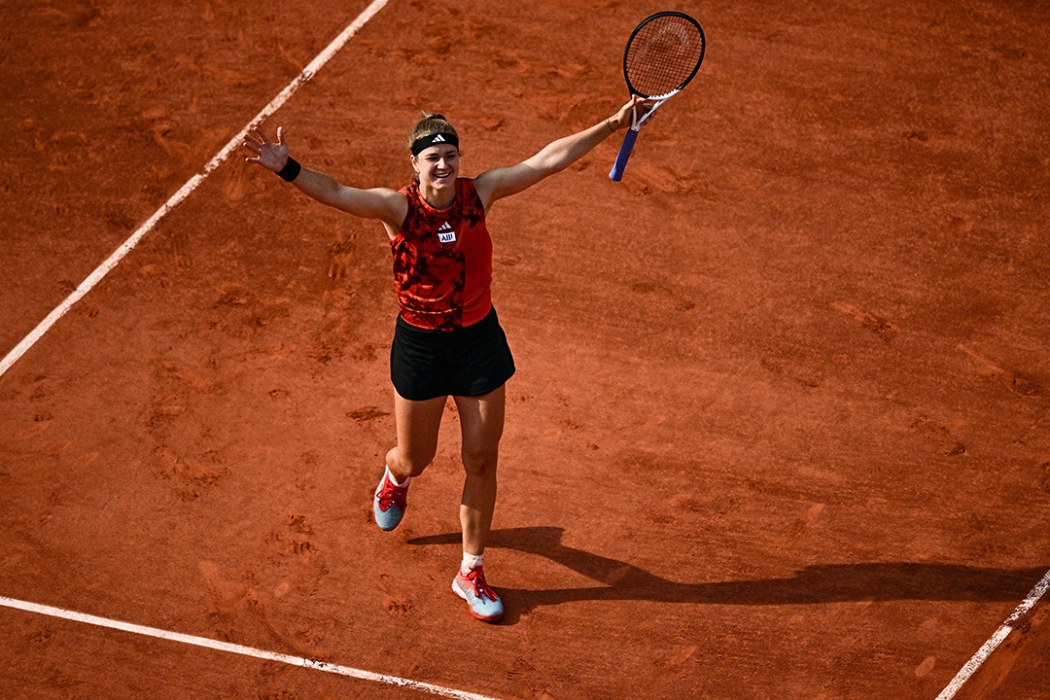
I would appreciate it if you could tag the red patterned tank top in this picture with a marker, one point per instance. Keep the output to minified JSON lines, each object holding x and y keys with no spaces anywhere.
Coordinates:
{"x":443,"y":261}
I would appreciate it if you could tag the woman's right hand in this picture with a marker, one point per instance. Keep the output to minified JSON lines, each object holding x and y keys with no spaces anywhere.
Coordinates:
{"x":272,"y":155}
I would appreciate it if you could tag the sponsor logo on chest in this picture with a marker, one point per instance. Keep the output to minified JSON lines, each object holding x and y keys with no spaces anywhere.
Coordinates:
{"x":446,"y":234}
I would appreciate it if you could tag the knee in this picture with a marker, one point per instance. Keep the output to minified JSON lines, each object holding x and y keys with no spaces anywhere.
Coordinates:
{"x":408,"y":463}
{"x":480,"y":461}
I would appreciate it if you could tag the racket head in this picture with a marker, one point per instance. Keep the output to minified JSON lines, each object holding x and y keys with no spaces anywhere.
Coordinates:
{"x":663,"y":54}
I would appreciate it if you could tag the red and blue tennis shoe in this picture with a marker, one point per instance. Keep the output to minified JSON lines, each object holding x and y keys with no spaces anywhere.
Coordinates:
{"x":483,"y":601}
{"x":389,"y":502}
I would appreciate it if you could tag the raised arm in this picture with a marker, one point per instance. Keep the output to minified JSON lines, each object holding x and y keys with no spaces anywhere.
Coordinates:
{"x":556,"y":156}
{"x":383,"y":204}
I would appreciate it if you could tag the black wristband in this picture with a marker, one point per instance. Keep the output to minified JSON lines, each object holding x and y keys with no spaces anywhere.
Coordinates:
{"x":290,"y":171}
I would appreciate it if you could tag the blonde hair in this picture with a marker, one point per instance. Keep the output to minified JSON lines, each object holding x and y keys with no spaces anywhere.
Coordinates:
{"x":429,"y":125}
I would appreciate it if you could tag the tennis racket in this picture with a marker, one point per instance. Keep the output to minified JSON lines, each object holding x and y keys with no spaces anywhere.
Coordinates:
{"x":663,"y":54}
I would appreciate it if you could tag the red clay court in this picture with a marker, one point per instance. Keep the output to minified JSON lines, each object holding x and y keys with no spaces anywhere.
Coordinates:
{"x":780,"y":423}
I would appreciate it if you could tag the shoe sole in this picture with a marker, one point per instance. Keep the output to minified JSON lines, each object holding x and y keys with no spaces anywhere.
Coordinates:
{"x":483,"y":618}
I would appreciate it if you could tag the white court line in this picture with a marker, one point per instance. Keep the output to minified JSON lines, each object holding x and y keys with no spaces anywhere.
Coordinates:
{"x":239,"y":649}
{"x":996,"y":639}
{"x":95,"y":277}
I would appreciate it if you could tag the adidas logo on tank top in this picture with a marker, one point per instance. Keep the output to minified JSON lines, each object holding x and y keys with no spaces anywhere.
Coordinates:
{"x":446,"y":234}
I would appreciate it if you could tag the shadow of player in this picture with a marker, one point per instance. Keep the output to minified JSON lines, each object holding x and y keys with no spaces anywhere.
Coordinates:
{"x":829,"y":583}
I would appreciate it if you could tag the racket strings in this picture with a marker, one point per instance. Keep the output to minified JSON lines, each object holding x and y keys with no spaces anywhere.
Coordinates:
{"x":663,"y":55}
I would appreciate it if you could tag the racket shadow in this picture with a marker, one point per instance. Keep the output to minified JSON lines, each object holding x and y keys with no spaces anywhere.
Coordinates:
{"x":813,"y":585}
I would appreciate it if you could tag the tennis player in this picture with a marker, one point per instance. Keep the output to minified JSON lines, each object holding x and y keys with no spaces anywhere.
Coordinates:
{"x":447,"y":340}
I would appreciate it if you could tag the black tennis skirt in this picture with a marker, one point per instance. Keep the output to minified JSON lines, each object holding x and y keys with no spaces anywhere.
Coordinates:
{"x":471,"y":361}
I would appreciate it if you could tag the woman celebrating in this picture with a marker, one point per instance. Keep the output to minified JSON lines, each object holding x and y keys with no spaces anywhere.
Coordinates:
{"x":447,"y":340}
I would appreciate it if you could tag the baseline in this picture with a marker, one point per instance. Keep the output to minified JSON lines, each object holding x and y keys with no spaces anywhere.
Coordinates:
{"x":113,"y":260}
{"x":975,"y":662}
{"x":240,"y":649}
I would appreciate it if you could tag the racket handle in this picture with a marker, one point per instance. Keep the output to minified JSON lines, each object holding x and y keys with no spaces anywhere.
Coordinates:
{"x":629,"y":138}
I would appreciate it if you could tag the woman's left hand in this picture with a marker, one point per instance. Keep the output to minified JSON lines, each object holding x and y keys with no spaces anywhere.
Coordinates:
{"x":623,"y":117}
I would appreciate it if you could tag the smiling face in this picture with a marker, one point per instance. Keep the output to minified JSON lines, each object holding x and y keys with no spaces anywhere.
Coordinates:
{"x":437,"y":168}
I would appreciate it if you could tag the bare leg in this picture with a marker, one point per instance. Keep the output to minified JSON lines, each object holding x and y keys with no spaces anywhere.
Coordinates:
{"x":417,"y":435}
{"x":481,"y":420}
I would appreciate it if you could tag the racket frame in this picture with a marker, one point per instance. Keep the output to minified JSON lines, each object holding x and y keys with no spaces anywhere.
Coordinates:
{"x":636,"y":122}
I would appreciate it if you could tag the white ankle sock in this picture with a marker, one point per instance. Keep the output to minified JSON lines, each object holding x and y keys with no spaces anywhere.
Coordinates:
{"x":395,"y":482}
{"x":470,"y":561}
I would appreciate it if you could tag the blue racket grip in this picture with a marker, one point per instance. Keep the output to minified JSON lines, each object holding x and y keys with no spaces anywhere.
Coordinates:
{"x":621,"y":158}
